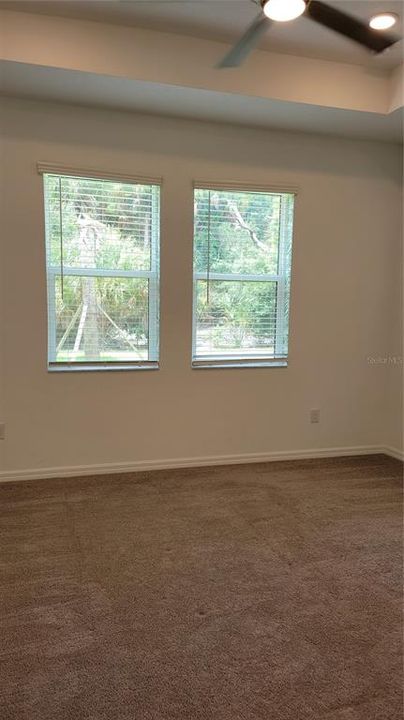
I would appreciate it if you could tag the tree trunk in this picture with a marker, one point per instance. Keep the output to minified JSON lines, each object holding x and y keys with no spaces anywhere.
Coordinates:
{"x":90,"y":332}
{"x":88,"y":237}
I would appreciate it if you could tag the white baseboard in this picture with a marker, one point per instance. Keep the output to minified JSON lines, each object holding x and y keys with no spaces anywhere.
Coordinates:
{"x":394,"y":453}
{"x":172,"y":463}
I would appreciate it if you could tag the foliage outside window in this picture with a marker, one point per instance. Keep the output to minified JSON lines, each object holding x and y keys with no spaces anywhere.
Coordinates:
{"x":242,"y":262}
{"x":102,"y":245}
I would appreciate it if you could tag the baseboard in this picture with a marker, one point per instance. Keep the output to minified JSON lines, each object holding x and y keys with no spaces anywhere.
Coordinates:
{"x":172,"y":463}
{"x":394,"y":453}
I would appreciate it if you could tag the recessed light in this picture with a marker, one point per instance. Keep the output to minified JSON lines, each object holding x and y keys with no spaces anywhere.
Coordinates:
{"x":383,"y":21}
{"x":284,"y":10}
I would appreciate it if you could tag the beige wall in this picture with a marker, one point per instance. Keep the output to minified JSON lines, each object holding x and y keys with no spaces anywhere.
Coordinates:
{"x":345,"y":282}
{"x":393,"y":371}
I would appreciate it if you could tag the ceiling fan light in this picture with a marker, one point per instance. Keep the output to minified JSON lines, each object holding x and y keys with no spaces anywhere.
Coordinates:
{"x":284,"y":10}
{"x":383,"y":21}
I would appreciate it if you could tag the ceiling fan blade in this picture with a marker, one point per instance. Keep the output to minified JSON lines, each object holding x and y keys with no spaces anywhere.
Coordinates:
{"x":246,"y":43}
{"x":349,"y":26}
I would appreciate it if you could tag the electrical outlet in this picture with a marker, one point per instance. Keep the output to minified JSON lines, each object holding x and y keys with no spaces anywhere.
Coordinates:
{"x":315,"y":416}
{"x":2,"y":431}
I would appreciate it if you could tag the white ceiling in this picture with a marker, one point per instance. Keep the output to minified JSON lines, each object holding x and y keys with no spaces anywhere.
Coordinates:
{"x":226,"y":20}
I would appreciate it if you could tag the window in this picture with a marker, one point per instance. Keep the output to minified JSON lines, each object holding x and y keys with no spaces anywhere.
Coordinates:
{"x":242,"y":260}
{"x":102,"y":249}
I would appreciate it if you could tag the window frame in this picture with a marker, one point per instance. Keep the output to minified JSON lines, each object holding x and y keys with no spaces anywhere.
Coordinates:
{"x":152,"y":275}
{"x":280,"y":358}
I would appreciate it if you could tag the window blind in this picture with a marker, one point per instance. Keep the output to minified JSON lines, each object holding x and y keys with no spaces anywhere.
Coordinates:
{"x":102,"y":250}
{"x":242,"y":262}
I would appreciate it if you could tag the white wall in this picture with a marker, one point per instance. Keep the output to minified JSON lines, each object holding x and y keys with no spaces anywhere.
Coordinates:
{"x":344,"y":285}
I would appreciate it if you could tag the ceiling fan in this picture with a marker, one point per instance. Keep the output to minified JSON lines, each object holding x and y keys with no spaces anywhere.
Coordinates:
{"x":326,"y":15}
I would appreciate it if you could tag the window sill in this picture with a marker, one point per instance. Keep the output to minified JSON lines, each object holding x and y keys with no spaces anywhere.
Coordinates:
{"x":101,"y":367}
{"x":235,"y":364}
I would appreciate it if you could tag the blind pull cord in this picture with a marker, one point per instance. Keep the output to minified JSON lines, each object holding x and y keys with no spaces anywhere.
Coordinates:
{"x":208,"y":256}
{"x":61,"y":237}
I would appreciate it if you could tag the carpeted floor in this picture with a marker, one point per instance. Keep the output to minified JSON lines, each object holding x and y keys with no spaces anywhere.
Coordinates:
{"x":255,"y":592}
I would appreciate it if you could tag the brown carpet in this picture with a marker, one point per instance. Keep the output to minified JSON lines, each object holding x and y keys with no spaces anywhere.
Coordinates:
{"x":255,"y":592}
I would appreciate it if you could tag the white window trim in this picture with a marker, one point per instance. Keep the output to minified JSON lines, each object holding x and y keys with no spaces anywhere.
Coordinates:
{"x":213,"y":362}
{"x":48,"y":168}
{"x":152,"y":275}
{"x":239,"y":186}
{"x":280,"y":359}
